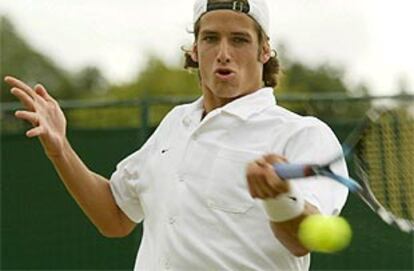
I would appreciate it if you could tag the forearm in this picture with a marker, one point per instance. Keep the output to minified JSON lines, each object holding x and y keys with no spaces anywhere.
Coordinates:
{"x":287,"y":232}
{"x":92,"y":193}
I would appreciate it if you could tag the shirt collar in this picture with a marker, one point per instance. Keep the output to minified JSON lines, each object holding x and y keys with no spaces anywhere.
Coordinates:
{"x":248,"y":105}
{"x":243,"y":107}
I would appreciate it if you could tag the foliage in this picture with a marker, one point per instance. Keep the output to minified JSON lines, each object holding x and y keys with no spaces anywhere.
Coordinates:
{"x":20,"y":59}
{"x":323,"y":86}
{"x":91,"y":79}
{"x":156,"y":79}
{"x":300,"y":79}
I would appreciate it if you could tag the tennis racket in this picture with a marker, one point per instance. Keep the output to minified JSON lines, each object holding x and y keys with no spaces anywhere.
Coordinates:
{"x":382,"y":148}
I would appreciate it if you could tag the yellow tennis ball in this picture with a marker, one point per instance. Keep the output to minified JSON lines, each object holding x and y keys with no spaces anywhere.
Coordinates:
{"x":327,"y":234}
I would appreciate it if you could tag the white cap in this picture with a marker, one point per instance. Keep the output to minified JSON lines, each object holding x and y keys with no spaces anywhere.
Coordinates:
{"x":257,"y":9}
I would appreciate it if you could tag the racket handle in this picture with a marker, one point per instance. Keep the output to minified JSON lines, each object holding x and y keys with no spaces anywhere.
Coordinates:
{"x":293,"y":171}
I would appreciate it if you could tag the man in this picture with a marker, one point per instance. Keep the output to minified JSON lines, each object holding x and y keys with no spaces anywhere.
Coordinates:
{"x":203,"y":184}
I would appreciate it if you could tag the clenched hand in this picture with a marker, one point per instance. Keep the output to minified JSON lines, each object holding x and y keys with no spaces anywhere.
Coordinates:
{"x":262,"y":180}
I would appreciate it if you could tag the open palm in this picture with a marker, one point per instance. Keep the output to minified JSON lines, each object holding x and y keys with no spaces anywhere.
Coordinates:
{"x":43,"y":112}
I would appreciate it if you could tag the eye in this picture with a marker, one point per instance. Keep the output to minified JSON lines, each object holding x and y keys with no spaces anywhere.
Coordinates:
{"x":240,"y":40}
{"x":210,"y":38}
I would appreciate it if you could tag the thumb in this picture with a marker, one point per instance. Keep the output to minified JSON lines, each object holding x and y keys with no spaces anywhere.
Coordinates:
{"x":275,"y":159}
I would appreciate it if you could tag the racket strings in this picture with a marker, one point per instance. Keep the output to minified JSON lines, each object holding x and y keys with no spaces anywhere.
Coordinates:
{"x":386,"y":155}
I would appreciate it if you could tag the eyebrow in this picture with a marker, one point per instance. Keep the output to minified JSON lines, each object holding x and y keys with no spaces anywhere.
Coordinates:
{"x":208,"y":32}
{"x":211,"y":32}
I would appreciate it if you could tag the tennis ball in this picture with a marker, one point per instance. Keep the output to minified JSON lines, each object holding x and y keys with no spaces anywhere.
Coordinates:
{"x":327,"y":234}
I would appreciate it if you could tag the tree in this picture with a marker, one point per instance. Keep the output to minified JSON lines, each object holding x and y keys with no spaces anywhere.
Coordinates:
{"x":20,"y":59}
{"x":322,"y":91}
{"x":159,"y":79}
{"x":90,"y":80}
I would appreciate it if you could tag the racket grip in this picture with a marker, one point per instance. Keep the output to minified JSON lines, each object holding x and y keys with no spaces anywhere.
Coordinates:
{"x":293,"y":171}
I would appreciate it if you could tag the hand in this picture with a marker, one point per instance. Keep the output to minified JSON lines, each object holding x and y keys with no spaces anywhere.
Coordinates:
{"x":262,"y":180}
{"x":43,"y":112}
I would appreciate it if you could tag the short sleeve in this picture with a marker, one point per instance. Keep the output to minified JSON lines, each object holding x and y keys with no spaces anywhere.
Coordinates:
{"x":127,"y":182}
{"x":316,"y":143}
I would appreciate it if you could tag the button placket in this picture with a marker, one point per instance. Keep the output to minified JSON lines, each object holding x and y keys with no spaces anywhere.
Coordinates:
{"x":187,"y":121}
{"x":180,"y":178}
{"x":171,"y":220}
{"x":165,"y":262}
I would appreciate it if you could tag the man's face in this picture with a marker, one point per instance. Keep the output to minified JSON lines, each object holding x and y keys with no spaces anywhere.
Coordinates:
{"x":228,"y":55}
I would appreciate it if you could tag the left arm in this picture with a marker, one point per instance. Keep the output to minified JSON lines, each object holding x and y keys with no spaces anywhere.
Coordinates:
{"x":264,"y":184}
{"x":287,"y":232}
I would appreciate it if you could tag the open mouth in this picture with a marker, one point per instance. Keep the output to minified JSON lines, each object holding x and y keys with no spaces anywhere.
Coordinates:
{"x":224,"y":74}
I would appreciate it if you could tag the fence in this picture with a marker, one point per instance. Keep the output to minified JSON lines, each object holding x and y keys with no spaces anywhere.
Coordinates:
{"x":43,"y":228}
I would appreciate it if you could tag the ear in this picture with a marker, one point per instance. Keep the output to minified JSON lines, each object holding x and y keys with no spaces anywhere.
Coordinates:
{"x":194,"y":53}
{"x":266,"y":52}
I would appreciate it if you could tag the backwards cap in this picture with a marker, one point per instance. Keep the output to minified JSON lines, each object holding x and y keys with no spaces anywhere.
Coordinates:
{"x":257,"y":9}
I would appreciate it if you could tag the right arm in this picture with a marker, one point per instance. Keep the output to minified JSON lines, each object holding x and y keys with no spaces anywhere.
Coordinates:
{"x":91,"y":191}
{"x":265,"y":184}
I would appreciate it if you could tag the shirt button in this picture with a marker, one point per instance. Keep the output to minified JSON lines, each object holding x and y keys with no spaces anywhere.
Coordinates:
{"x":171,"y":220}
{"x":187,"y":121}
{"x":166,"y":262}
{"x":180,"y":177}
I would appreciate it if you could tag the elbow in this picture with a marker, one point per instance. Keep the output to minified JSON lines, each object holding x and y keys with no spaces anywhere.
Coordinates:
{"x":114,"y":228}
{"x":114,"y":232}
{"x":299,"y":251}
{"x":110,"y":234}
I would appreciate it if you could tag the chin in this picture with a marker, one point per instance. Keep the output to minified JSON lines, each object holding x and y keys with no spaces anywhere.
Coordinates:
{"x":226,"y":91}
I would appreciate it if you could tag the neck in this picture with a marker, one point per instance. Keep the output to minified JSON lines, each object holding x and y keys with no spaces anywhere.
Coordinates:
{"x":211,"y":101}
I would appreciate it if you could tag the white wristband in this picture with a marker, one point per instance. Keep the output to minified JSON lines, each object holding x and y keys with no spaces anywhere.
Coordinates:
{"x":285,"y":206}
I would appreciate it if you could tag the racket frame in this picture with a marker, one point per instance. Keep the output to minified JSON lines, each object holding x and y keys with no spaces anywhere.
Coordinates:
{"x":362,"y":189}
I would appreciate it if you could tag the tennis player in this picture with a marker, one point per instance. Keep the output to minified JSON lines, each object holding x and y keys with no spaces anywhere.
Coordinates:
{"x":203,"y":184}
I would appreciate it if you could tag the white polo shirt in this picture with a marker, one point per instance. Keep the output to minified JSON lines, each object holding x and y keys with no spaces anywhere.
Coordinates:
{"x":188,"y":184}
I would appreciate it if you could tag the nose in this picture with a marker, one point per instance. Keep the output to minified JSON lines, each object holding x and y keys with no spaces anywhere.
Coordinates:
{"x":224,"y":53}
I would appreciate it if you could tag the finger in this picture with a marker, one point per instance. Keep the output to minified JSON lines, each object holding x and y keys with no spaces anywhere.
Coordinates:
{"x":24,"y":98}
{"x":251,"y":172}
{"x":41,"y":90}
{"x":272,"y":179}
{"x":261,"y":162}
{"x":12,"y":81}
{"x":269,"y":184}
{"x":249,"y":168}
{"x":274,"y":159}
{"x":259,"y":182}
{"x":257,"y":179}
{"x":276,"y":184}
{"x":255,"y":187}
{"x":276,"y":187}
{"x":36,"y":131}
{"x":31,"y":117}
{"x":251,"y":188}
{"x":262,"y":188}
{"x":273,"y":186}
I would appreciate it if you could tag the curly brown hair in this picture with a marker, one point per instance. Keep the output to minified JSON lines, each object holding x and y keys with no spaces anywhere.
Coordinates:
{"x":270,"y":68}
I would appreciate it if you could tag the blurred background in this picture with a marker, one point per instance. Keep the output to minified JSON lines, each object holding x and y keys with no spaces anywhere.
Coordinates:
{"x":116,"y":68}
